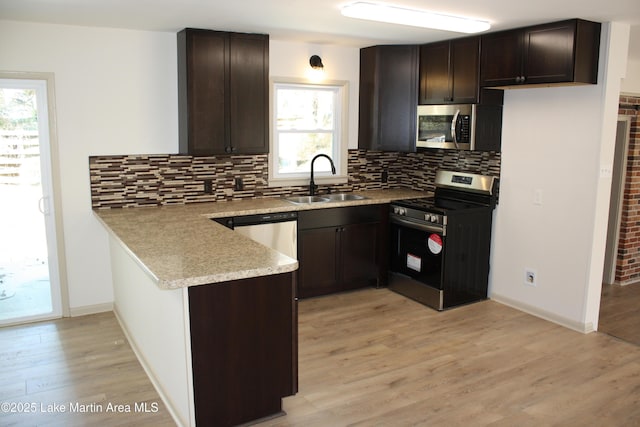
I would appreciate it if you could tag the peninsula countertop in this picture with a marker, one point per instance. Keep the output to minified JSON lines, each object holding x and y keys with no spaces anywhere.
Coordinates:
{"x":179,"y":245}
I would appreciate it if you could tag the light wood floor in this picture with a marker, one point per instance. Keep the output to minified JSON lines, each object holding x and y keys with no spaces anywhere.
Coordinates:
{"x":620,"y":312}
{"x":74,"y":361}
{"x":367,"y":358}
{"x":374,"y":358}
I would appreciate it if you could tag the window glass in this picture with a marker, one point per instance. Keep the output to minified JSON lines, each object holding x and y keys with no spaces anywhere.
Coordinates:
{"x":307,"y":122}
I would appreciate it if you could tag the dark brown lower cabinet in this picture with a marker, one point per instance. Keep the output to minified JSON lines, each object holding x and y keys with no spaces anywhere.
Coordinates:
{"x":341,"y":249}
{"x":244,"y":348}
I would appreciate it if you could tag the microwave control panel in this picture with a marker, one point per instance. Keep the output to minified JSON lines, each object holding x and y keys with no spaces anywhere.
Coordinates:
{"x":463,"y":128}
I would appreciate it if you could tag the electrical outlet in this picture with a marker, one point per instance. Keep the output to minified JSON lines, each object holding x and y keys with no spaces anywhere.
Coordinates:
{"x":238,"y":185}
{"x":385,"y":176}
{"x":606,"y":171}
{"x":530,"y":277}
{"x":208,"y":186}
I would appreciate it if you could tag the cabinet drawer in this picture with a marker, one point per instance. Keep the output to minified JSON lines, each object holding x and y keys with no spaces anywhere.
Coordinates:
{"x":319,"y":218}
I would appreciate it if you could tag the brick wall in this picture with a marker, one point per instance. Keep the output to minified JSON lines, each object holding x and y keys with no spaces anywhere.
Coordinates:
{"x":165,"y":179}
{"x":628,"y":258}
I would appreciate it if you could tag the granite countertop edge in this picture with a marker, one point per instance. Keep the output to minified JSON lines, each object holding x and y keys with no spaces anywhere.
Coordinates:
{"x":180,"y":246}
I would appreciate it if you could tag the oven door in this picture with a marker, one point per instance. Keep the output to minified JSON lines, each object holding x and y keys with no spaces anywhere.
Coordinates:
{"x":417,"y":251}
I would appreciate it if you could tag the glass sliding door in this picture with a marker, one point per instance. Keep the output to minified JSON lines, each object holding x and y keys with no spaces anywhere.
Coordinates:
{"x":29,"y":279}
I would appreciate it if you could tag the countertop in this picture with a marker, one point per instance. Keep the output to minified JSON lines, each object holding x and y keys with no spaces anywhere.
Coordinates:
{"x":180,"y":246}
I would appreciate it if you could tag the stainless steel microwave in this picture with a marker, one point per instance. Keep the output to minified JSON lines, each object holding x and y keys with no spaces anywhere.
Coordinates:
{"x":446,"y":126}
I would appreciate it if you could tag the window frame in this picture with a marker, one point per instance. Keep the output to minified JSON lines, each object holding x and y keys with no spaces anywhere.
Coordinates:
{"x":341,"y":132}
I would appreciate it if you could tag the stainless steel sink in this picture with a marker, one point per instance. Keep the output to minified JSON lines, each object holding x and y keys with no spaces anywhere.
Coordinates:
{"x":307,"y":199}
{"x":337,"y":197}
{"x":343,"y":197}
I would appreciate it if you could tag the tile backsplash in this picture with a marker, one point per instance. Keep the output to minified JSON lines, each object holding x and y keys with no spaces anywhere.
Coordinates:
{"x":165,"y":179}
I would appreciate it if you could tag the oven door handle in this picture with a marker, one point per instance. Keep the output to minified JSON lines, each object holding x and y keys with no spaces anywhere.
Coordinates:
{"x":418,"y":226}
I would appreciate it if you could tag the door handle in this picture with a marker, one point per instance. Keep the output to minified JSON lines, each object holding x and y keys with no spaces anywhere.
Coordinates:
{"x":43,"y":205}
{"x":454,"y":125}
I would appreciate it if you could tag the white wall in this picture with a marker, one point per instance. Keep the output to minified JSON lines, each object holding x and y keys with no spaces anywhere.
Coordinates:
{"x":555,"y":141}
{"x":116,"y":94}
{"x":165,"y":356}
{"x":631,"y":82}
{"x":288,"y":59}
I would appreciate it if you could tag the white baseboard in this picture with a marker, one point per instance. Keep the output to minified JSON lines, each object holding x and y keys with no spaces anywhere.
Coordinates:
{"x":630,"y":283}
{"x":147,"y":369}
{"x":90,"y":309}
{"x":584,"y":328}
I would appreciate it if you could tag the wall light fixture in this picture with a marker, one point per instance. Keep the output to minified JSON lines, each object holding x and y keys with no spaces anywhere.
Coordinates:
{"x":316,"y":62}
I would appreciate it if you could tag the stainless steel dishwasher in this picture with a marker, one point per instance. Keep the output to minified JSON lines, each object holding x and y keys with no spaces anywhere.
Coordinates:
{"x":278,"y":231}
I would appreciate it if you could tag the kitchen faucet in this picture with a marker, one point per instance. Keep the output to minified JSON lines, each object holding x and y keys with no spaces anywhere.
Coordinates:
{"x":312,"y":185}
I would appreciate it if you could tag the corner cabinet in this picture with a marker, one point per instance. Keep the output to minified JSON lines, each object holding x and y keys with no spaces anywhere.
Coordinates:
{"x":341,"y":249}
{"x":558,"y":53}
{"x":388,"y":98}
{"x":223,"y":92}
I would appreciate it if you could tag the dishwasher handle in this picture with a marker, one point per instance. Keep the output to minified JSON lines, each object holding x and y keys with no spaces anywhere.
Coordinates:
{"x":268,"y":218}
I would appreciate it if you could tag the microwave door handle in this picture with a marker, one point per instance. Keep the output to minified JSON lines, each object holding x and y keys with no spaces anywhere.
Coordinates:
{"x":454,"y":124}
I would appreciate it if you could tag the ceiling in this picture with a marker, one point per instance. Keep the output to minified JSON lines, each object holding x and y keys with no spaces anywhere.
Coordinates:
{"x":312,"y":21}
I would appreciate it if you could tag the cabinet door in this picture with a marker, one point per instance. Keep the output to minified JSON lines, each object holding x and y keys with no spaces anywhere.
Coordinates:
{"x":249,"y":93}
{"x":317,"y":255}
{"x":223,"y":95}
{"x":388,"y":98}
{"x":548,"y":53}
{"x":359,"y":250}
{"x":201,"y":75}
{"x":435,"y":82}
{"x":243,"y":348}
{"x":397,"y":98}
{"x":555,"y":53}
{"x":465,"y":61}
{"x":501,"y":58}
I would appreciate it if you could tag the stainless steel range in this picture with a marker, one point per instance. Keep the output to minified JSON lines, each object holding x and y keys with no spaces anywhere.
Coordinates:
{"x":440,"y":246}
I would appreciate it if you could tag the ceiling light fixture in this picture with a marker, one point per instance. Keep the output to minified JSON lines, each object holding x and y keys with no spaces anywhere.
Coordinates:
{"x":413,"y":17}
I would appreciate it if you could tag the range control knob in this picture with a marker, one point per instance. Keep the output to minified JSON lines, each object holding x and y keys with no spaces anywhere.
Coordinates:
{"x":430,"y":218}
{"x":399,"y":211}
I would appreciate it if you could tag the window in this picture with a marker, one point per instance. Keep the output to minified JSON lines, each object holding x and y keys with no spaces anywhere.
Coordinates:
{"x":308,"y":119}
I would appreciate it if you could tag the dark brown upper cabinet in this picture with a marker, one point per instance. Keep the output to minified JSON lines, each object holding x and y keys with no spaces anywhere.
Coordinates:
{"x":388,"y":98}
{"x":449,"y":72}
{"x":559,"y":53}
{"x":223,"y":92}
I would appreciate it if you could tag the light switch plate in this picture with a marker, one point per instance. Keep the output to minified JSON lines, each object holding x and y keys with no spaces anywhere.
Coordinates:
{"x":537,"y":197}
